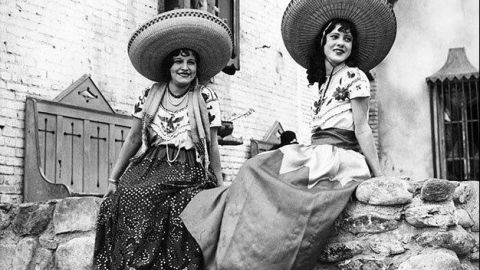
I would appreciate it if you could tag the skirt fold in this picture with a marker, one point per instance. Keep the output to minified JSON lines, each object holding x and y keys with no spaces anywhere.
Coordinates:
{"x":279,"y":210}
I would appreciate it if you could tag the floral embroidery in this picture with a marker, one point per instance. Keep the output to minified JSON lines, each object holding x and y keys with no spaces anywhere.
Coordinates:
{"x":341,"y":93}
{"x":316,"y":107}
{"x":139,"y":105}
{"x":209,"y":96}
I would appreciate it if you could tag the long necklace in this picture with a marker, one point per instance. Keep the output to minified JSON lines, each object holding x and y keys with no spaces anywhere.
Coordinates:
{"x":175,"y":103}
{"x":175,"y":156}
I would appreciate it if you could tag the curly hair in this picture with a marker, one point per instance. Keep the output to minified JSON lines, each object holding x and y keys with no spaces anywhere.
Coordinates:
{"x":316,"y":71}
{"x":168,"y":62}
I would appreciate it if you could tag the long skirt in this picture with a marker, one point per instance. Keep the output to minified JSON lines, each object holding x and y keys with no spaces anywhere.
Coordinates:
{"x":279,"y":211}
{"x":139,"y":227}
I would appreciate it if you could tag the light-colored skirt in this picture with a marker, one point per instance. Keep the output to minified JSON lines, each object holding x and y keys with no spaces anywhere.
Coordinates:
{"x":279,"y":210}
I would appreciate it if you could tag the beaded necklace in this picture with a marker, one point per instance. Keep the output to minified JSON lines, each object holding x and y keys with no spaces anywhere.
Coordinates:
{"x":180,"y":98}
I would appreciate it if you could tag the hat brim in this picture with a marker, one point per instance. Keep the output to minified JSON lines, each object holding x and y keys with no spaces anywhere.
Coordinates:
{"x":193,"y":29}
{"x":374,"y":21}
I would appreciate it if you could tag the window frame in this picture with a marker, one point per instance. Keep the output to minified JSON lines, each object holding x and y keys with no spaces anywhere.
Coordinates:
{"x":438,"y":89}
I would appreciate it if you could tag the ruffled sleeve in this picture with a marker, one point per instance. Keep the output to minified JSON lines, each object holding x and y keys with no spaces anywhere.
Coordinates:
{"x":213,"y":106}
{"x":359,"y":84}
{"x":138,"y":109}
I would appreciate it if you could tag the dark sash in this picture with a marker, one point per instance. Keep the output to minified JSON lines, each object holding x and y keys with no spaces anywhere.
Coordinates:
{"x":337,"y":137}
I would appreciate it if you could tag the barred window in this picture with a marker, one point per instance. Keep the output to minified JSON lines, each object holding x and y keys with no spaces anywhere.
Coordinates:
{"x":228,"y":10}
{"x":455,"y":108}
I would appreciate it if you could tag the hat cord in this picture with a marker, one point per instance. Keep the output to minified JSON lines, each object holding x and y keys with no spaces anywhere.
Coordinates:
{"x":333,"y":72}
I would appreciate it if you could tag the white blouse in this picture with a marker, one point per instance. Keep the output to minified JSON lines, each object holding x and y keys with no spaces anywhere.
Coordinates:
{"x":172,"y":127}
{"x":332,"y":109}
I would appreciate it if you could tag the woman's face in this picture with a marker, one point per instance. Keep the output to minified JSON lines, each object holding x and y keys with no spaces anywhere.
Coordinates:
{"x":184,"y":68}
{"x":338,"y":45}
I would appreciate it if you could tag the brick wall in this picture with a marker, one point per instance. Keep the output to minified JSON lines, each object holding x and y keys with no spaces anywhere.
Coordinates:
{"x":46,"y":45}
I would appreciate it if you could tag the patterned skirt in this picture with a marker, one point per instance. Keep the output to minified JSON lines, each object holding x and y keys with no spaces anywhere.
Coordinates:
{"x":139,"y":227}
{"x":279,"y":210}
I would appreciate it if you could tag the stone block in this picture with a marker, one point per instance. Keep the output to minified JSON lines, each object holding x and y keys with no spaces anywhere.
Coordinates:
{"x":5,"y":218}
{"x":24,"y":252}
{"x":463,"y":193}
{"x":76,"y":254}
{"x":424,"y":214}
{"x":364,"y":218}
{"x":335,"y":252}
{"x":468,"y":266}
{"x":32,"y":218}
{"x":471,"y":204}
{"x":474,"y":256}
{"x":438,"y":190}
{"x":415,"y":186}
{"x":43,"y":259}
{"x":76,"y":214}
{"x":46,"y":241}
{"x":464,"y":219}
{"x":367,"y":262}
{"x":386,"y":245}
{"x":438,"y":259}
{"x":7,"y":253}
{"x":384,"y":191}
{"x":458,"y":240}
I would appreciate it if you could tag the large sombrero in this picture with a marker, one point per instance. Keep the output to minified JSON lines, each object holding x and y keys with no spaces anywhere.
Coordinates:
{"x":200,"y":31}
{"x":374,"y":20}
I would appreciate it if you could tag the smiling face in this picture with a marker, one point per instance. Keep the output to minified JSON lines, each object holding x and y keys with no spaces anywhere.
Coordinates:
{"x":184,"y":68}
{"x":338,"y":45}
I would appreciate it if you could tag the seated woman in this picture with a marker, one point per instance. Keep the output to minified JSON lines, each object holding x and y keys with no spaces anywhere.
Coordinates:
{"x":174,"y":137}
{"x":279,"y":211}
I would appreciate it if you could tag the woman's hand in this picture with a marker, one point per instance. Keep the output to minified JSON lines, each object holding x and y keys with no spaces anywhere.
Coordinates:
{"x":110,"y":189}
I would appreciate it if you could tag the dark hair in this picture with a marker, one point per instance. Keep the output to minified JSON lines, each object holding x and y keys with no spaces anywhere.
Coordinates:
{"x":316,"y":70}
{"x":168,"y":62}
{"x":287,"y":137}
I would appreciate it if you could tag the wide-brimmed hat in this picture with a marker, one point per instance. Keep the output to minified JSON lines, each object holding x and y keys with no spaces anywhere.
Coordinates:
{"x":374,"y":21}
{"x":194,"y":29}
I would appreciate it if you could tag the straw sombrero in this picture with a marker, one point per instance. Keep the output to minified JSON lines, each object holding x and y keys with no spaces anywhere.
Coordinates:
{"x":197,"y":30}
{"x":374,"y":20}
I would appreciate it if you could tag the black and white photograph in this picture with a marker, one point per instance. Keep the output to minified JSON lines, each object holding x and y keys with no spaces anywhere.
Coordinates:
{"x":239,"y":135}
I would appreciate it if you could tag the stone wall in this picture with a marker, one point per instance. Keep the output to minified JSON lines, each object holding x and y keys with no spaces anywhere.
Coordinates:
{"x":393,"y":223}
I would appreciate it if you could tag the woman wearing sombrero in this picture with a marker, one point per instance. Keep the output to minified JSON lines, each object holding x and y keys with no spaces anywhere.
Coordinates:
{"x":279,"y":211}
{"x":171,"y":152}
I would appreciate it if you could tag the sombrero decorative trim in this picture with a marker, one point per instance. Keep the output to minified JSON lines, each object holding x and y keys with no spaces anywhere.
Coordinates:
{"x":194,"y":29}
{"x":374,"y":21}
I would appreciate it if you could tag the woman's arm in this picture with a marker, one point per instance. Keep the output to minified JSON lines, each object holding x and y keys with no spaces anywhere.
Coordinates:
{"x":129,"y":148}
{"x":215,"y":156}
{"x":363,"y":132}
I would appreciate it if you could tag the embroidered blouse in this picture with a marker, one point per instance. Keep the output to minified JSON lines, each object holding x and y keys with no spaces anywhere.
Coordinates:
{"x":332,"y":109}
{"x":172,"y":127}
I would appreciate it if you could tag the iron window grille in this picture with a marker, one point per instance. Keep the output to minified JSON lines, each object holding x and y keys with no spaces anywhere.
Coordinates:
{"x":455,"y":109}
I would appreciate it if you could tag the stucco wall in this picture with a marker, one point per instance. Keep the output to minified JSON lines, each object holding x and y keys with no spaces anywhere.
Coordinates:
{"x":426,"y":30}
